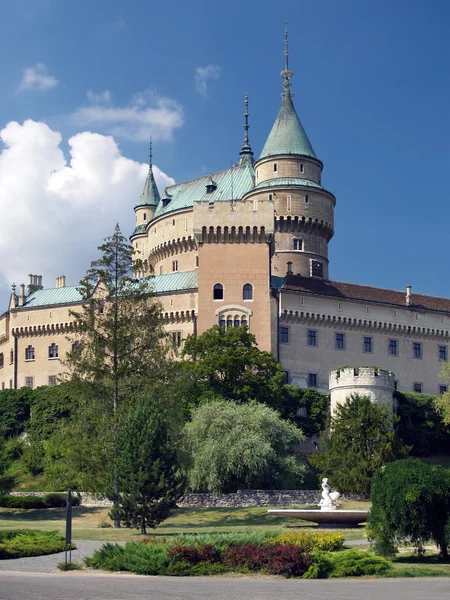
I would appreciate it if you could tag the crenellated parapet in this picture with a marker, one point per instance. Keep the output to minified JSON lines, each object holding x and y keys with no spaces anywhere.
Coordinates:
{"x":378,"y":384}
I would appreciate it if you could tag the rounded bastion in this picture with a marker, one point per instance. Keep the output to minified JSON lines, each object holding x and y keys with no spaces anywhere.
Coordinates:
{"x":378,"y":384}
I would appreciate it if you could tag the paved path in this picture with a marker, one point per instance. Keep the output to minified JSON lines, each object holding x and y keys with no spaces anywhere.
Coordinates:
{"x":95,"y":586}
{"x":47,"y":564}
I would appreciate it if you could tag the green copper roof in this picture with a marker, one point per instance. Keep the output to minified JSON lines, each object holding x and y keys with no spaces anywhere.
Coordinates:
{"x":139,"y":229}
{"x":286,"y":182}
{"x":287,"y":135}
{"x":174,"y":282}
{"x":150,"y":195}
{"x":276,"y":282}
{"x":53,"y":297}
{"x":232,"y":184}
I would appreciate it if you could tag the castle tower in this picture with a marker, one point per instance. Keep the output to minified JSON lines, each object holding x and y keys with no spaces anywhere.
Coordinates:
{"x":288,"y":173}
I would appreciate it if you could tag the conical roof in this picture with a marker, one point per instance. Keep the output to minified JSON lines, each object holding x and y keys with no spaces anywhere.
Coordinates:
{"x":287,"y":135}
{"x":150,"y":194}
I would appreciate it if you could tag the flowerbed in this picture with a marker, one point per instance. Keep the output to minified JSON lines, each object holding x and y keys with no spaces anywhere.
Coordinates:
{"x":210,"y":554}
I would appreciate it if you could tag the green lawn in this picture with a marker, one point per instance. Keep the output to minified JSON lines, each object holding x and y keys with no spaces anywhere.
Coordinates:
{"x":86,"y":521}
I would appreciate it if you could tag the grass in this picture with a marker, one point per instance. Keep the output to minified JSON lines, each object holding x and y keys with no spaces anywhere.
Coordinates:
{"x":86,"y":522}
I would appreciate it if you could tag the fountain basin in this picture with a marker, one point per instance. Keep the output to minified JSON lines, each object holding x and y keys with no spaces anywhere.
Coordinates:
{"x":325,"y":518}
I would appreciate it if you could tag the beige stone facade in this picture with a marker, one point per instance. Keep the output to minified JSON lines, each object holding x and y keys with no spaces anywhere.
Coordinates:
{"x":249,"y":246}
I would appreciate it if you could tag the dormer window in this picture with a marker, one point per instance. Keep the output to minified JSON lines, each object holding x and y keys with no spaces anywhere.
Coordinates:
{"x":166,"y":198}
{"x":211,"y":186}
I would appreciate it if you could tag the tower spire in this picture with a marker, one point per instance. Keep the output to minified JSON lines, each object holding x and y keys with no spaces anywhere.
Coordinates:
{"x":150,"y":155}
{"x":150,"y":195}
{"x":286,"y":74}
{"x":246,"y":153}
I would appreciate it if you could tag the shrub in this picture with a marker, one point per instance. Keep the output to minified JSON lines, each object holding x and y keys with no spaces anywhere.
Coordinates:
{"x":28,"y":502}
{"x":221,"y":541}
{"x":283,"y":559}
{"x":357,"y":563}
{"x":143,"y":559}
{"x":27,"y":542}
{"x":70,"y":566}
{"x":192,"y":555}
{"x":311,"y":540}
{"x":185,"y":569}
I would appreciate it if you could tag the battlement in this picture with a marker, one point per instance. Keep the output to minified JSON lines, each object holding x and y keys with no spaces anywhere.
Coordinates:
{"x":377,"y":383}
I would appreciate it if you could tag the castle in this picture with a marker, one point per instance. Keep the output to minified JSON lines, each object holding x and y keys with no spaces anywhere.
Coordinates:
{"x":249,"y":246}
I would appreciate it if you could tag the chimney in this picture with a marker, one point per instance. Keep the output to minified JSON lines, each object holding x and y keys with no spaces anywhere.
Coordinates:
{"x":34,"y":283}
{"x":61,"y":281}
{"x":408,"y":296}
{"x":22,"y":294}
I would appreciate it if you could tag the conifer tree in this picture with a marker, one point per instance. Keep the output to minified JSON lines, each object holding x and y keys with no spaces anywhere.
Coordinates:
{"x":147,"y":468}
{"x":362,"y":439}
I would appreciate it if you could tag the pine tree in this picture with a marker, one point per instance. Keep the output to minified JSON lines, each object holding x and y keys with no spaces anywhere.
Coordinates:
{"x":147,"y":469}
{"x":362,"y":439}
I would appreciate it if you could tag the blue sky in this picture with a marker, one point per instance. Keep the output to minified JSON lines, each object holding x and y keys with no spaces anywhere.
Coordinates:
{"x":371,"y":84}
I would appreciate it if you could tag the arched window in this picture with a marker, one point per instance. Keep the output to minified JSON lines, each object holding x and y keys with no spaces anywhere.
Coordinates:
{"x":247,"y":292}
{"x":229,"y":321}
{"x":244,"y":321}
{"x":222,"y":322}
{"x":237,"y":322}
{"x":218,"y":291}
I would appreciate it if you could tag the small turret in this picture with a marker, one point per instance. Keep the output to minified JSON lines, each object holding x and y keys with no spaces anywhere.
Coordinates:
{"x":146,"y":207}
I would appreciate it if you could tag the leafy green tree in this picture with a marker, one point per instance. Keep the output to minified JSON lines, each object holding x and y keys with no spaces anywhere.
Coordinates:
{"x":14,"y":411}
{"x":6,"y":482}
{"x":147,"y":468}
{"x":363,"y":438}
{"x":442,"y":402}
{"x":410,"y":504}
{"x":232,"y":446}
{"x":227,"y":363}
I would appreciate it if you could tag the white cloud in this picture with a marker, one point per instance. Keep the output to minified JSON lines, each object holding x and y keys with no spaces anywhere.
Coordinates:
{"x":55,"y":212}
{"x":148,"y":114}
{"x":37,"y":78}
{"x":99,"y":98}
{"x":203,"y":75}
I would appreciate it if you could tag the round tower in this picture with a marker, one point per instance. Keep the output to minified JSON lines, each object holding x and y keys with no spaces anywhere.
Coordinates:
{"x":378,"y":384}
{"x":288,"y":173}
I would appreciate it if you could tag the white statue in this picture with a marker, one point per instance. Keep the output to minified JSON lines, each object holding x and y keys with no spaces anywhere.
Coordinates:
{"x":329,"y":496}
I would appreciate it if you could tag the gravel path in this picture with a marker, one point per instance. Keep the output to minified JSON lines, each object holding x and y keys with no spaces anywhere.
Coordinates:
{"x":47,"y":564}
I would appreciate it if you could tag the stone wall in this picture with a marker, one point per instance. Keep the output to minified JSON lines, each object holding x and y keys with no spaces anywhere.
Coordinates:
{"x":241,"y":499}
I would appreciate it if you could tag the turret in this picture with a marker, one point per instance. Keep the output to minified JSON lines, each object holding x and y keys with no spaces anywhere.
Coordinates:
{"x":146,"y":206}
{"x":288,"y":173}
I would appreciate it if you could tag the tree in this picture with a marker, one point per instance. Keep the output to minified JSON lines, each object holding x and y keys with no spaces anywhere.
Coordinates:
{"x":227,"y":363}
{"x":410,"y":504}
{"x":147,"y":469}
{"x":6,"y":482}
{"x":232,"y":446}
{"x":442,"y":402}
{"x":362,"y":439}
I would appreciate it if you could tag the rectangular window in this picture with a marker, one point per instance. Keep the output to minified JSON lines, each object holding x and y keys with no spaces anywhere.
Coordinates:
{"x":2,"y":360}
{"x":395,"y":385}
{"x":306,"y":198}
{"x":29,"y":353}
{"x":443,"y":353}
{"x":161,"y":270}
{"x":29,"y":382}
{"x":286,"y":374}
{"x":52,"y":380}
{"x":312,"y":380}
{"x":196,"y":261}
{"x":393,"y":348}
{"x":312,"y":337}
{"x":367,"y":344}
{"x":255,"y":205}
{"x":177,"y":338}
{"x":302,"y":168}
{"x":275,"y":167}
{"x":316,"y":268}
{"x":289,"y":203}
{"x":298,"y":244}
{"x":340,"y":341}
{"x":3,"y":385}
{"x":443,"y":389}
{"x":284,"y":335}
{"x":53,"y":351}
{"x":174,"y":265}
{"x":339,"y":305}
{"x":417,"y":387}
{"x":10,"y":384}
{"x":417,"y":350}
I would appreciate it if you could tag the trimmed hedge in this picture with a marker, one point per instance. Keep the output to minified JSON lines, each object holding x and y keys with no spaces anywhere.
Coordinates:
{"x":20,"y":543}
{"x":53,"y":500}
{"x":311,"y":540}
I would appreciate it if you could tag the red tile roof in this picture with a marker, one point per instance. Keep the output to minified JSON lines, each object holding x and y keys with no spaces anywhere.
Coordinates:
{"x":365,"y":293}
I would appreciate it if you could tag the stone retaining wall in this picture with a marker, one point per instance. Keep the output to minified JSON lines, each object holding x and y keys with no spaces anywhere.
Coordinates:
{"x":241,"y":499}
